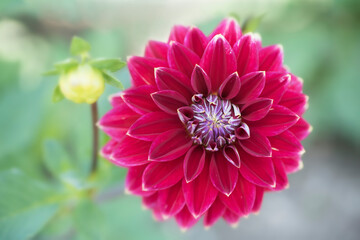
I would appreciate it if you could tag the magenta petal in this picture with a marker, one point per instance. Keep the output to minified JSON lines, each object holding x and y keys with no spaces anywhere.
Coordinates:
{"x":149,"y":126}
{"x":171,"y":200}
{"x":258,"y":199}
{"x":276,"y":121}
{"x":275,"y":86}
{"x":257,"y":170}
{"x":178,"y":33}
{"x":185,"y":114}
{"x":247,"y":53}
{"x":156,"y":49}
{"x":242,"y":132}
{"x":296,"y":83}
{"x":292,"y":164}
{"x":281,"y":177}
{"x":142,"y":69}
{"x":242,"y":199}
{"x":257,"y":145}
{"x":223,"y":174}
{"x":232,"y":155}
{"x":130,"y":152}
{"x":116,"y":99}
{"x":182,"y":58}
{"x":295,"y":101}
{"x":196,"y":40}
{"x":133,"y":181}
{"x":252,"y":85}
{"x":286,"y":145}
{"x":216,"y":210}
{"x":150,"y":201}
{"x":231,"y":217}
{"x":194,"y":162}
{"x":200,"y":81}
{"x":200,"y":193}
{"x":108,"y":149}
{"x":161,"y":175}
{"x":169,"y":145}
{"x":229,"y":28}
{"x":139,"y":99}
{"x":256,"y":109}
{"x":185,"y":219}
{"x":171,"y":79}
{"x":271,"y":58}
{"x":218,"y":61}
{"x":301,"y":129}
{"x":230,"y":87}
{"x":116,"y":122}
{"x":169,"y":101}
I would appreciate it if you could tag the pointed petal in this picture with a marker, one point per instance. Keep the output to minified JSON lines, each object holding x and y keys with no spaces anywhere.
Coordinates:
{"x":185,"y":219}
{"x":277,"y":120}
{"x":296,"y":83}
{"x":301,"y":129}
{"x":230,"y":87}
{"x":257,"y":145}
{"x":295,"y":101}
{"x":256,"y":109}
{"x":178,"y":33}
{"x":171,"y":79}
{"x":252,"y":85}
{"x":170,"y":145}
{"x":130,"y":152}
{"x":149,"y":126}
{"x":271,"y":58}
{"x":133,"y":181}
{"x":229,"y":28}
{"x":185,"y":114}
{"x":218,"y":61}
{"x":108,"y":149}
{"x":182,"y":58}
{"x":156,"y":49}
{"x":241,"y":200}
{"x":286,"y":145}
{"x":257,"y":170}
{"x":171,"y":200}
{"x":196,"y":40}
{"x":200,"y":81}
{"x":242,"y":132}
{"x":194,"y":162}
{"x":142,"y":69}
{"x":231,"y":217}
{"x":116,"y":122}
{"x":247,"y":53}
{"x":292,"y":164}
{"x":231,"y":154}
{"x":169,"y":101}
{"x":216,"y":210}
{"x":161,"y":175}
{"x":139,"y":99}
{"x":223,"y":174}
{"x":275,"y":86}
{"x":115,"y":100}
{"x":150,"y":201}
{"x":281,"y":177}
{"x":200,"y":193}
{"x":258,"y":199}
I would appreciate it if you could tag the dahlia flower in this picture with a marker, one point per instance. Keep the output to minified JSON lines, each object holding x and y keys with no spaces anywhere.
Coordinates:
{"x":209,"y":124}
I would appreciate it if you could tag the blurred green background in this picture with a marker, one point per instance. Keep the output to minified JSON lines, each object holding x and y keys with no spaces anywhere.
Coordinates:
{"x":45,"y":148}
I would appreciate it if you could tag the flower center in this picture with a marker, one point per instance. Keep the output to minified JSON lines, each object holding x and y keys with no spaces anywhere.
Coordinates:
{"x":211,"y":121}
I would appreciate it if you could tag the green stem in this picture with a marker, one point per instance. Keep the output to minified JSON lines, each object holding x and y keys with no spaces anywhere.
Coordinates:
{"x":94,"y":116}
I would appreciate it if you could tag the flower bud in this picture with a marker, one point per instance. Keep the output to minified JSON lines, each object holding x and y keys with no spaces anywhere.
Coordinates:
{"x":82,"y":84}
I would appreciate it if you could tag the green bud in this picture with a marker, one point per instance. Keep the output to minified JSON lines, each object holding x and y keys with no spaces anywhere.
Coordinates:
{"x":82,"y":84}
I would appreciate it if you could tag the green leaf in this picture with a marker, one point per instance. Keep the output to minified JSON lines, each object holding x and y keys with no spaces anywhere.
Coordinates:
{"x":66,"y":65}
{"x":79,"y":46}
{"x":26,"y":205}
{"x":57,"y":95}
{"x":109,"y":79}
{"x":111,"y":64}
{"x":55,"y":158}
{"x":252,"y":23}
{"x":52,"y":72}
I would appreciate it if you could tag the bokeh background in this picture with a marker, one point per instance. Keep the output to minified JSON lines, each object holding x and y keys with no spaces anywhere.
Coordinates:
{"x":45,"y":148}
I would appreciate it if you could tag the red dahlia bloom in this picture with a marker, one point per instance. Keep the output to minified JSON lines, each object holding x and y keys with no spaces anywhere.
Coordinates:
{"x":208,"y":126}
